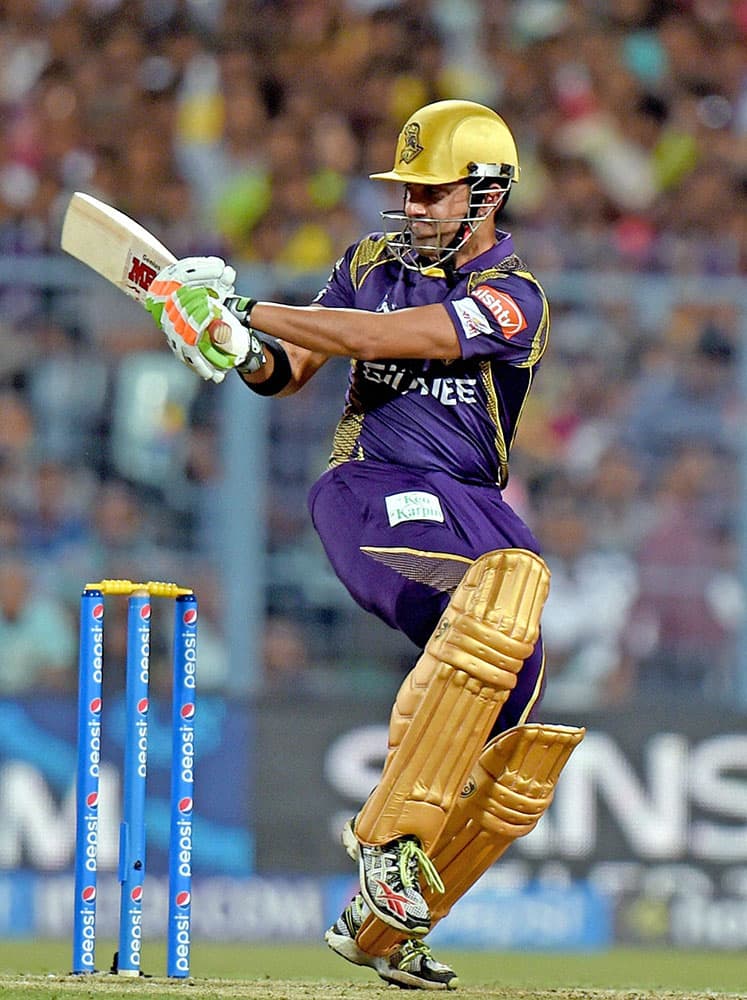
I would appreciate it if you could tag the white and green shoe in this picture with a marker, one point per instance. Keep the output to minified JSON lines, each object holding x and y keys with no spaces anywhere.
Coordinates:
{"x":390,"y":883}
{"x":410,"y":966}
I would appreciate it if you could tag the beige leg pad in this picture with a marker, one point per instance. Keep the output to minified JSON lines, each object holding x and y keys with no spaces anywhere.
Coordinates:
{"x":510,"y":788}
{"x":462,"y":680}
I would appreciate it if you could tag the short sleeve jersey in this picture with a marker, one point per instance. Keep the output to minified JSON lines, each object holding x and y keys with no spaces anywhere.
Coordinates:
{"x":455,"y":416}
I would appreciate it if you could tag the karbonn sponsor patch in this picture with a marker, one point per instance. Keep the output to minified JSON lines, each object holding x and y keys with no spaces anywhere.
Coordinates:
{"x":505,"y":309}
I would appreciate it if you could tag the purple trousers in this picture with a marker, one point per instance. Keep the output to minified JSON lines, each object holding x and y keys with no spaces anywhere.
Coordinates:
{"x":400,"y":540}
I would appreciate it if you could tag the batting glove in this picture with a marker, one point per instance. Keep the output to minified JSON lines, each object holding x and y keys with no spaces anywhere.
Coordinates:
{"x":205,"y":335}
{"x":204,"y":272}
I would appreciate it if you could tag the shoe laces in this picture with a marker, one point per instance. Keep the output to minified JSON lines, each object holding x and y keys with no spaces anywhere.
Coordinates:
{"x":359,"y":908}
{"x":411,"y":857}
{"x":411,"y":949}
{"x":355,"y":912}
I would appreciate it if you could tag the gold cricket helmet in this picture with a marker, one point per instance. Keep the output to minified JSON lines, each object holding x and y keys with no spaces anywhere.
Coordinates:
{"x":454,"y":140}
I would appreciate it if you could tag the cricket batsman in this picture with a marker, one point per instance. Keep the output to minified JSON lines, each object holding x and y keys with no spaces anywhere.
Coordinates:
{"x":445,"y":328}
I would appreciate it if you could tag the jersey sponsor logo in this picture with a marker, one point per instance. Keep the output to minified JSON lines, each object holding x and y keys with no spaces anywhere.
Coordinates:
{"x":470,"y":318}
{"x":448,"y":390}
{"x":413,"y":505}
{"x":505,"y":309}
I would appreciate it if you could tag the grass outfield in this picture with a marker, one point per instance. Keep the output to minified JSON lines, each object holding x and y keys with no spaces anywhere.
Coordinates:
{"x":39,"y":971}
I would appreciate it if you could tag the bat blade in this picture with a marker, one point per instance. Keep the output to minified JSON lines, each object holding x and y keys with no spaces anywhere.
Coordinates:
{"x":113,"y":245}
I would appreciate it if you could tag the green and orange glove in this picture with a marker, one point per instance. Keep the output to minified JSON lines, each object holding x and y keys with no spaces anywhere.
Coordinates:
{"x":202,"y":332}
{"x":196,"y":272}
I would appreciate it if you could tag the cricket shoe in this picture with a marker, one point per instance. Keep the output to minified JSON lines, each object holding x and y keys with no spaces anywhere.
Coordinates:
{"x":410,"y":966}
{"x":343,"y":932}
{"x":390,"y":883}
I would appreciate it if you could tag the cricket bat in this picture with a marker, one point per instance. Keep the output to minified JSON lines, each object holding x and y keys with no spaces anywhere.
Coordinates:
{"x":113,"y":245}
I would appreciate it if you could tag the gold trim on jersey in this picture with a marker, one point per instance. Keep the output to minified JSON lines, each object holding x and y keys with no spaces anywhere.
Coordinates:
{"x":491,"y":274}
{"x":542,"y":336}
{"x":369,"y":254}
{"x":536,"y":350}
{"x":491,"y":400}
{"x":345,"y":442}
{"x":440,"y":570}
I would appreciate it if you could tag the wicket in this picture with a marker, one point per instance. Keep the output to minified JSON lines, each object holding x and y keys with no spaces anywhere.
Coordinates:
{"x":132,"y":830}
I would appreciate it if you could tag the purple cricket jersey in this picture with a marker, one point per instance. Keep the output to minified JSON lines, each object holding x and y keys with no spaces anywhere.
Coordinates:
{"x":413,"y":492}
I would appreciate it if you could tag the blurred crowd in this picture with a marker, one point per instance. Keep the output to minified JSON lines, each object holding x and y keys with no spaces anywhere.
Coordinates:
{"x":248,"y":128}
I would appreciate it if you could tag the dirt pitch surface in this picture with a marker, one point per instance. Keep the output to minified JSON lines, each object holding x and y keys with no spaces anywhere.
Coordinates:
{"x":52,"y":987}
{"x":39,"y":970}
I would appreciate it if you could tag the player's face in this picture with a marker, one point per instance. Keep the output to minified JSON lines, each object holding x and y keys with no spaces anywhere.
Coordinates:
{"x":435,"y":213}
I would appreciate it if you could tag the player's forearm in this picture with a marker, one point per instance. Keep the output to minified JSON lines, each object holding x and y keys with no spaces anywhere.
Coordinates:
{"x":425,"y":331}
{"x":314,"y":328}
